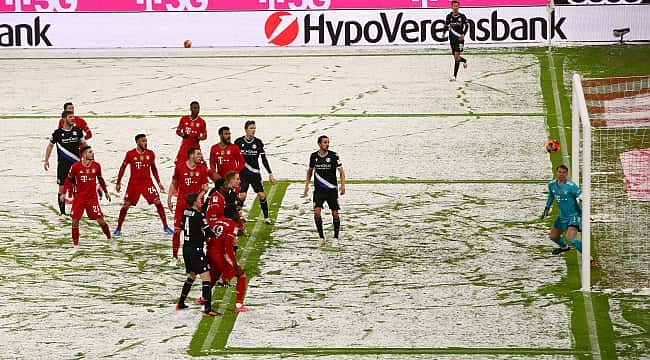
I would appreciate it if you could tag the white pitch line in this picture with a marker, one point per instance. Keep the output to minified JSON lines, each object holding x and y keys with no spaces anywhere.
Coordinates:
{"x":589,"y":307}
{"x":227,"y":296}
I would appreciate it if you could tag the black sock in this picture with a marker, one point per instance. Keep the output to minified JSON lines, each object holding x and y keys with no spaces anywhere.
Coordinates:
{"x":462,"y":59}
{"x":187,"y":285}
{"x":61,"y":204}
{"x":206,"y":291}
{"x":456,"y":65}
{"x":265,"y":208}
{"x":337,"y":226}
{"x":319,"y":226}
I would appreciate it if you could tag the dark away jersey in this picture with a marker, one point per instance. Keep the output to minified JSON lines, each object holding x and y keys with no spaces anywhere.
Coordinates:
{"x":456,"y":24}
{"x":325,"y":170}
{"x":195,"y":228}
{"x":251,"y":150}
{"x":67,"y":144}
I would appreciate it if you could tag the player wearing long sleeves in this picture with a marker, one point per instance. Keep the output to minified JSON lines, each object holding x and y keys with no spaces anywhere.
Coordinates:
{"x":78,"y":121}
{"x":83,"y":179}
{"x":142,"y":165}
{"x":456,"y":24}
{"x":192,"y":129}
{"x":323,"y":165}
{"x":566,"y":193}
{"x":252,"y":149}
{"x":195,"y":231}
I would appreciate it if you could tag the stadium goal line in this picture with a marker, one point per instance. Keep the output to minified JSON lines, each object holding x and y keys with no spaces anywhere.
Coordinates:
{"x":611,"y":162}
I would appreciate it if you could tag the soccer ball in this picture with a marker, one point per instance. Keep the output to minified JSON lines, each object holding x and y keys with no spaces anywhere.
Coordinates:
{"x":552,"y":146}
{"x":187,"y":43}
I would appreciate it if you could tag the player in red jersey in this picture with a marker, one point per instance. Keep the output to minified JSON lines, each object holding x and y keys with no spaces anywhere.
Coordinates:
{"x":192,"y":129}
{"x":221,"y":254}
{"x":225,"y":156}
{"x":142,"y":164}
{"x":190,"y":176}
{"x":83,"y":178}
{"x":78,"y":121}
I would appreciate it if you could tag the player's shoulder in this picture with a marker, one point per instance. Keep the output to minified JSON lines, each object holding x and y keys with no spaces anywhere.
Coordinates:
{"x":571,"y":183}
{"x":314,"y":154}
{"x":239,"y":140}
{"x":332,"y":153}
{"x":149,"y":152}
{"x":552,"y":183}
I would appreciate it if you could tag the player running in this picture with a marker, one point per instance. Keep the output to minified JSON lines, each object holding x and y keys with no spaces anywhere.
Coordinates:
{"x":225,"y":156}
{"x":566,"y":193}
{"x":252,"y":149}
{"x":67,"y":139}
{"x":78,"y":121}
{"x":190,"y":176}
{"x":456,"y":24}
{"x":142,"y":164}
{"x":195,"y":230}
{"x":192,"y":129}
{"x":82,"y":179}
{"x":323,"y":165}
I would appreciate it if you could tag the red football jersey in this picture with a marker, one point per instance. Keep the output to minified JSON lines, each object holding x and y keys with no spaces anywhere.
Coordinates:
{"x":80,"y":123}
{"x":216,"y":206}
{"x":192,"y":131}
{"x":189,"y":180}
{"x":226,"y":232}
{"x":225,"y":159}
{"x":141,"y":166}
{"x":85,"y":179}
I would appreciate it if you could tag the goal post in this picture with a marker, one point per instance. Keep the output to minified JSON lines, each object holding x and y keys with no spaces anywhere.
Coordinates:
{"x":610,"y":161}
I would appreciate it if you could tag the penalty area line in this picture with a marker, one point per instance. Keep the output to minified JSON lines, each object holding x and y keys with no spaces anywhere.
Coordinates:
{"x":227,"y":296}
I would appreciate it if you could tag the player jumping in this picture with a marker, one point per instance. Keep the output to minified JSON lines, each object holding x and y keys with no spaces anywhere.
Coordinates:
{"x":142,"y":164}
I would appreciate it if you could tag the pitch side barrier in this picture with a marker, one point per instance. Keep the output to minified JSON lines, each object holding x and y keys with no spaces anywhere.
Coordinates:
{"x":49,"y":24}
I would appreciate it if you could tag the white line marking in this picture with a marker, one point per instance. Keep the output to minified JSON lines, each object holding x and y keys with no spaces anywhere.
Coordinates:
{"x":227,"y":296}
{"x":589,"y":307}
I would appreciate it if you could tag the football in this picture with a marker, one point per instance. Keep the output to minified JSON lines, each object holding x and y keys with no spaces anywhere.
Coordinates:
{"x":187,"y":43}
{"x":552,"y":146}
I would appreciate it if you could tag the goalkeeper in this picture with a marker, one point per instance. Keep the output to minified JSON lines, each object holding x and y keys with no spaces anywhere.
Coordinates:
{"x":567,"y":194}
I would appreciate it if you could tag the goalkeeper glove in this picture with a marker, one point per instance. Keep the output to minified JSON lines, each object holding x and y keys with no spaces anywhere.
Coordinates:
{"x":545,"y":213}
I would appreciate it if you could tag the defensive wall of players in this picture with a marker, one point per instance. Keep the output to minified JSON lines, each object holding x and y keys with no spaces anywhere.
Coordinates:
{"x":272,"y":23}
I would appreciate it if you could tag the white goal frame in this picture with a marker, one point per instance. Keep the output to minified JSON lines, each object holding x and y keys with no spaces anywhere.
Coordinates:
{"x":581,"y":125}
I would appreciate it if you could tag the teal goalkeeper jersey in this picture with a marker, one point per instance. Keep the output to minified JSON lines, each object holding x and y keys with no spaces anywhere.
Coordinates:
{"x":567,"y":198}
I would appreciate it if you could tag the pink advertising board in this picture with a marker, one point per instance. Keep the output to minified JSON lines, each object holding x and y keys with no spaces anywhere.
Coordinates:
{"x":17,"y":6}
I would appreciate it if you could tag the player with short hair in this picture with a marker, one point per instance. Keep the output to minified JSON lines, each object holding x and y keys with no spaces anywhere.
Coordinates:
{"x":252,"y":149}
{"x":78,"y":121}
{"x":225,"y":156}
{"x":190,"y":176}
{"x":67,"y":139}
{"x":221,"y":254}
{"x":195,"y":230}
{"x":142,"y":164}
{"x":456,"y":24}
{"x":566,"y":193}
{"x":323,"y":164}
{"x":192,"y":129}
{"x":82,"y":179}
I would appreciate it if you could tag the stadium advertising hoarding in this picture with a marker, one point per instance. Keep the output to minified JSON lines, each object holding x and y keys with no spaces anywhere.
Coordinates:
{"x":424,"y":27}
{"x":239,"y":5}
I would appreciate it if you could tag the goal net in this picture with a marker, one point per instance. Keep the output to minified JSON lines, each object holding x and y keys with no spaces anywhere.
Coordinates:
{"x":611,"y":155}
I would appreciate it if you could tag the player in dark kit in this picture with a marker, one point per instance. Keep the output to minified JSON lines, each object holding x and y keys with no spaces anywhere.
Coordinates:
{"x":195,"y":230}
{"x":457,"y":25}
{"x":142,"y":164}
{"x":67,"y":140}
{"x":323,"y":165}
{"x":252,"y":149}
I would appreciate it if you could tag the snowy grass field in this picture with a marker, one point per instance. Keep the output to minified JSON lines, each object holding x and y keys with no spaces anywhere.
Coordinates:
{"x":442,"y":253}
